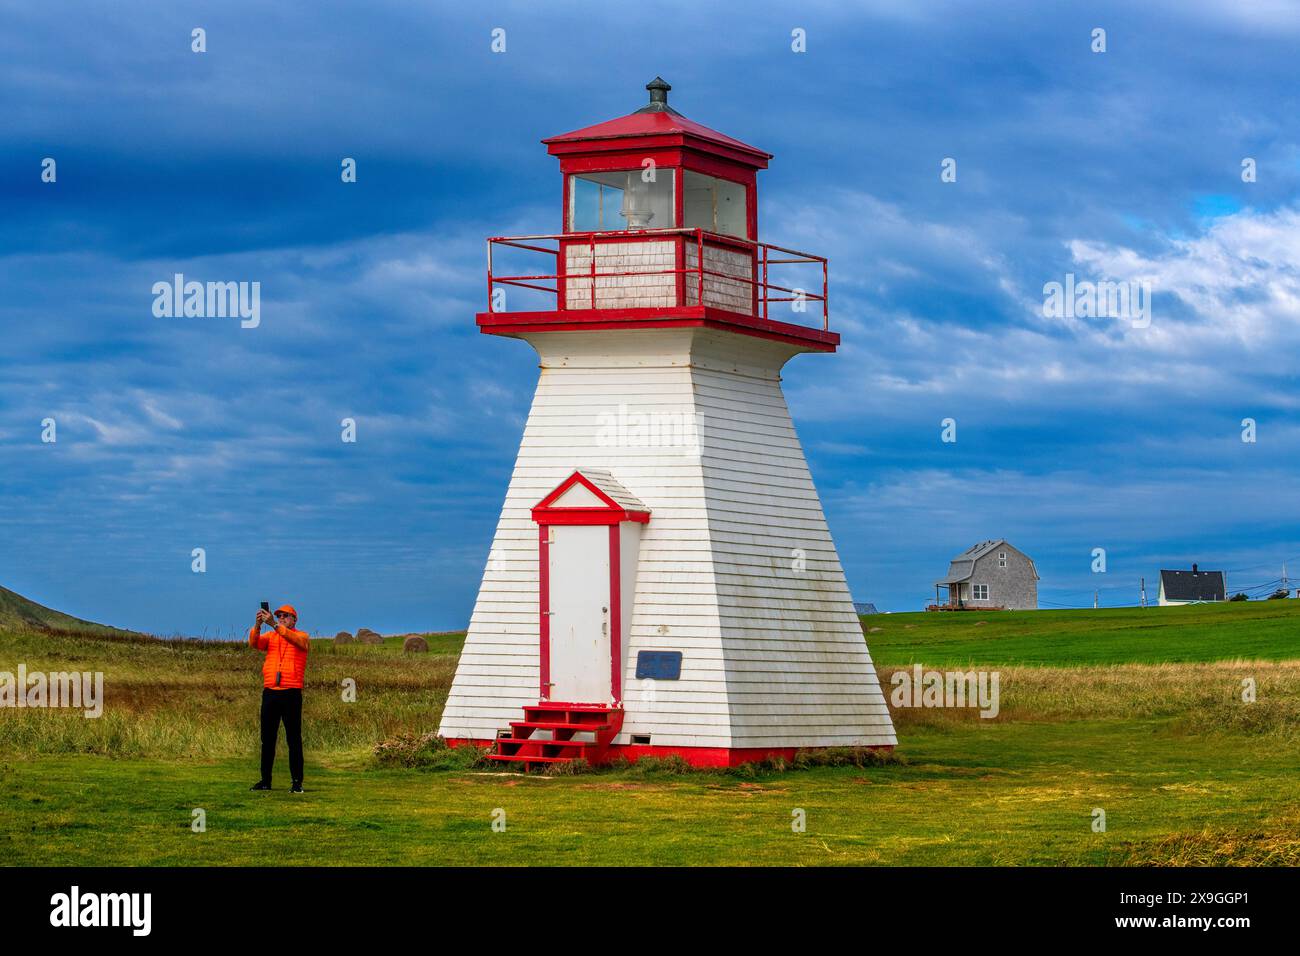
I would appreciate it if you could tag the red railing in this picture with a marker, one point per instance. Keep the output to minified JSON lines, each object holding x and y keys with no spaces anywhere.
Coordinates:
{"x":760,"y":252}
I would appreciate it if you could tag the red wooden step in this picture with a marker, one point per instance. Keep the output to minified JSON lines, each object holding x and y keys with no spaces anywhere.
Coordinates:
{"x":570,"y":712}
{"x":523,"y":748}
{"x":515,"y":742}
{"x":560,"y":721}
{"x":507,"y":746}
{"x":548,"y":725}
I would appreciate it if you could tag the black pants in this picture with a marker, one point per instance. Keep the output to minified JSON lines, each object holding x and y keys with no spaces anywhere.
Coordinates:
{"x":278,"y":705}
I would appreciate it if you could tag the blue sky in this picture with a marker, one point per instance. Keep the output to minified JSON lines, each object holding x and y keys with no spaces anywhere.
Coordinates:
{"x":1073,"y":434}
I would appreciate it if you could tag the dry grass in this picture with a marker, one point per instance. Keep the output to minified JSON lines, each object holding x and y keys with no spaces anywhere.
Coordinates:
{"x":1202,"y":698}
{"x":188,"y":698}
{"x":1274,"y":844}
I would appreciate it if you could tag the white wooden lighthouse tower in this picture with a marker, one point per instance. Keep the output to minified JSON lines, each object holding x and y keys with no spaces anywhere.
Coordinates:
{"x":662,"y":578}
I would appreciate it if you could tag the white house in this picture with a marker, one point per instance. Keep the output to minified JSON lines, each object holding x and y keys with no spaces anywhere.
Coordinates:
{"x":1192,"y":587}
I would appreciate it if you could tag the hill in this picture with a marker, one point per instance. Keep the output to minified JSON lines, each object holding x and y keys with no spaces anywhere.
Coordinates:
{"x":17,"y":611}
{"x":1194,"y":633}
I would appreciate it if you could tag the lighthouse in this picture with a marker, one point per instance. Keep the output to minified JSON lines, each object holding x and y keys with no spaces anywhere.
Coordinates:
{"x":662,"y":579}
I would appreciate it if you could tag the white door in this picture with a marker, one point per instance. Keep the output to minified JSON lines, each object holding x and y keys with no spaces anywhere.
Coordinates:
{"x":579,"y":622}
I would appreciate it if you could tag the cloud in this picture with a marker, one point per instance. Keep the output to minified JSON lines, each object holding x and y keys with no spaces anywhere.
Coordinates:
{"x":179,"y":432}
{"x":1239,"y":283}
{"x":1225,"y":317}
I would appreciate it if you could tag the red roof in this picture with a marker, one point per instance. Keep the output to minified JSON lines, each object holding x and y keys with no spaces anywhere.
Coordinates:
{"x":617,"y":503}
{"x":654,"y":124}
{"x":658,"y":120}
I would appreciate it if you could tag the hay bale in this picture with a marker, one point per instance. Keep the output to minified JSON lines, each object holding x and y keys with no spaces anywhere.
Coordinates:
{"x":366,"y":636}
{"x":343,"y":637}
{"x":415,"y":644}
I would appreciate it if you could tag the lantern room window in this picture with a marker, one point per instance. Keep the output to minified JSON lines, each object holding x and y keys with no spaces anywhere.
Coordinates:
{"x":716,"y":205}
{"x":615,"y":201}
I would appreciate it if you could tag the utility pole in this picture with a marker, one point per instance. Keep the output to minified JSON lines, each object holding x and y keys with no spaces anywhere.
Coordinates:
{"x":1094,"y":600}
{"x":1144,"y":590}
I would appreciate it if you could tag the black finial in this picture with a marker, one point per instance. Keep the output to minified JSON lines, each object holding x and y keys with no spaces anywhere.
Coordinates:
{"x":658,"y":91}
{"x":658,"y":97}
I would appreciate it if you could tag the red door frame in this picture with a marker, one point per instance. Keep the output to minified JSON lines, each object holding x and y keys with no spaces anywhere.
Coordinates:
{"x":609,"y":513}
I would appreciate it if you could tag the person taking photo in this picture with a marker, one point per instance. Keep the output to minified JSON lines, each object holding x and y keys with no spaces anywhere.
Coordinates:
{"x":282,"y":674}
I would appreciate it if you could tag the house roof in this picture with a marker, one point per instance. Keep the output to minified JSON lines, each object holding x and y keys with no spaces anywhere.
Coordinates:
{"x":958,"y":571}
{"x":1193,"y":585}
{"x":975,"y":552}
{"x":962,"y":566}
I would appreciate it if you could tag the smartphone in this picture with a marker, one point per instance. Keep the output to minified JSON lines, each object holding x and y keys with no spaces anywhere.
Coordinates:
{"x":266,"y":605}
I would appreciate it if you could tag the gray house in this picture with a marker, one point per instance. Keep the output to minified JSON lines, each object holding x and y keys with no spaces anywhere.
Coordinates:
{"x":992,"y":574}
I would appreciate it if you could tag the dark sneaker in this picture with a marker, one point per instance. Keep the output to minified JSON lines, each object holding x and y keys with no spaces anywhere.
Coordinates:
{"x":261,"y":785}
{"x":296,"y":788}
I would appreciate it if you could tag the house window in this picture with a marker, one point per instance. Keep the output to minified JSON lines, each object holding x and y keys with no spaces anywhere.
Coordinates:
{"x":981,"y":592}
{"x":1002,"y":559}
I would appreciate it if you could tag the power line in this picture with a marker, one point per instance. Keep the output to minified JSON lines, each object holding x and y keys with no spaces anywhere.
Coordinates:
{"x":1255,"y":567}
{"x":1252,"y":590}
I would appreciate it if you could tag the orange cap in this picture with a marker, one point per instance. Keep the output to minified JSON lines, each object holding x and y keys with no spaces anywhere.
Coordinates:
{"x":287,"y":609}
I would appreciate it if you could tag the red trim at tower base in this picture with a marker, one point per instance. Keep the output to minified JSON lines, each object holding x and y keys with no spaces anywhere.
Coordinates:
{"x":695,"y":756}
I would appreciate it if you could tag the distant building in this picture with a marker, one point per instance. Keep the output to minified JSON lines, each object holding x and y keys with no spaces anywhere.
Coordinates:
{"x":1192,"y":587}
{"x":992,"y":574}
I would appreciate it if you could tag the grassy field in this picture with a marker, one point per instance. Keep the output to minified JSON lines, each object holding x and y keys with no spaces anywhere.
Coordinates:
{"x":1252,"y":630}
{"x":1104,"y":710}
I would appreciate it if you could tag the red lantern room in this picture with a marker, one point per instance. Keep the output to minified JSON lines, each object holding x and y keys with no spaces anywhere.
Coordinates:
{"x":659,"y":228}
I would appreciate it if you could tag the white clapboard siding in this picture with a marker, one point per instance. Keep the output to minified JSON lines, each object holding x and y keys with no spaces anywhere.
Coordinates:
{"x":736,"y":570}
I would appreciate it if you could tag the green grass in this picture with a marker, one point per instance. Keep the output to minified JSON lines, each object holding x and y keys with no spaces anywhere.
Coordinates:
{"x":1248,"y":630}
{"x":1012,"y":794}
{"x":1133,"y":716}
